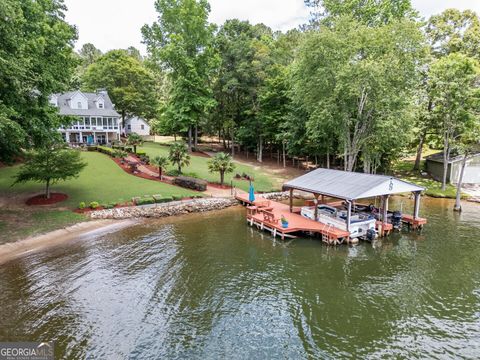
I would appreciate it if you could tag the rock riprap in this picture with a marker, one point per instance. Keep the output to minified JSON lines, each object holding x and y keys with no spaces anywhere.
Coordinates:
{"x":165,"y":209}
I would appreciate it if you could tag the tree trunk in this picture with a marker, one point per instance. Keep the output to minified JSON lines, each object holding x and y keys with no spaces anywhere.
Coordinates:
{"x":418,"y":159}
{"x":284,"y":155}
{"x":446,"y":156}
{"x":179,"y":168}
{"x":222,"y":176}
{"x":328,"y":159}
{"x":190,"y":138}
{"x":134,"y":149}
{"x":196,"y":137}
{"x":233,"y":144}
{"x":47,"y":189}
{"x":123,"y":122}
{"x":160,"y":172}
{"x":175,"y":137}
{"x":223,"y":138}
{"x":458,"y":205}
{"x":260,"y":149}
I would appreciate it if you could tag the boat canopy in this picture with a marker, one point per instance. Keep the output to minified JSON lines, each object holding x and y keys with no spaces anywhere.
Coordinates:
{"x":350,"y":185}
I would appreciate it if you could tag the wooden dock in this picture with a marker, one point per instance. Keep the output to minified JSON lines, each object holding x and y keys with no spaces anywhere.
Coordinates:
{"x":266,"y":215}
{"x":415,"y":223}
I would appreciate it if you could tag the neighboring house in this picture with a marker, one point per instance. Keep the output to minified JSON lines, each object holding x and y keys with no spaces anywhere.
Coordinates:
{"x":434,"y":164}
{"x":137,"y":125}
{"x":98,"y":122}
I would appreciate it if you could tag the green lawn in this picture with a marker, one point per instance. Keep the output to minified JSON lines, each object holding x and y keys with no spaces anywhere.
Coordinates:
{"x":198,"y":165}
{"x":403,"y":170}
{"x":19,"y":224}
{"x":102,"y":180}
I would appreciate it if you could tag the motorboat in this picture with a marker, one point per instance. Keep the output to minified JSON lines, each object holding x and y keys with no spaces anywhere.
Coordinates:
{"x":362,"y":225}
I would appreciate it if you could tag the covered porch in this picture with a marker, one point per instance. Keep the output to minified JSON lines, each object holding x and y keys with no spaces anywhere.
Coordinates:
{"x":90,"y":137}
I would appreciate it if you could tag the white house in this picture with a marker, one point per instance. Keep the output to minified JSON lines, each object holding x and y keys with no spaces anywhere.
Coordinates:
{"x":98,"y":122}
{"x":137,"y":125}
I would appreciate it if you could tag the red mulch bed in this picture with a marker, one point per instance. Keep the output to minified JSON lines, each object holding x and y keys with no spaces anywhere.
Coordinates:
{"x":42,"y":200}
{"x":200,"y":154}
{"x":218,"y":186}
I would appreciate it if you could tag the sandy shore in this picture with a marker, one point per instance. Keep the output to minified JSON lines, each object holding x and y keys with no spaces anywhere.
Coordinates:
{"x":20,"y":248}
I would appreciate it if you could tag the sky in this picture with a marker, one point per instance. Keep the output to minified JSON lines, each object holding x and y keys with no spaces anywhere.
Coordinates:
{"x":115,"y":24}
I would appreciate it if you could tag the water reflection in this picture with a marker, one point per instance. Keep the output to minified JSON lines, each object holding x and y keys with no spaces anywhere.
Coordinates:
{"x":209,"y":286}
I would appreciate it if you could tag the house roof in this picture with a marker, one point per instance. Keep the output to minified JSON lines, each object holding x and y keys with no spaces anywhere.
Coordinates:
{"x":438,"y":157}
{"x":137,"y":118}
{"x":350,"y":185}
{"x":108,"y":109}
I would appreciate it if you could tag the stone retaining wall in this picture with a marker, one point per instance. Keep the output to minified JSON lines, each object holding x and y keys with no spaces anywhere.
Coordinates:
{"x":165,"y":209}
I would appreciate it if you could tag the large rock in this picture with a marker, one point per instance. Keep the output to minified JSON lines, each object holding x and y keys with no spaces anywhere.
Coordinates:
{"x":191,"y":183}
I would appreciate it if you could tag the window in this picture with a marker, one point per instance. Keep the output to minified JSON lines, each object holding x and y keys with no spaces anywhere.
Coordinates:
{"x":79,"y":105}
{"x":100,"y":105}
{"x":129,"y":127}
{"x":142,"y":127}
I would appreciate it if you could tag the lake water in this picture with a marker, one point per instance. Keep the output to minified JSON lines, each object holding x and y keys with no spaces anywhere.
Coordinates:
{"x":209,"y":286}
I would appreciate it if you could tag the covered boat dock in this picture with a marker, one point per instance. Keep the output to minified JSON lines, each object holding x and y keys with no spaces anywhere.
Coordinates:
{"x":351,"y":187}
{"x":337,"y":190}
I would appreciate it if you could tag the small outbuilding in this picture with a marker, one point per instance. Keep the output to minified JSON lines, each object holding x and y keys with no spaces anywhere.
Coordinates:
{"x":137,"y":125}
{"x":434,"y":166}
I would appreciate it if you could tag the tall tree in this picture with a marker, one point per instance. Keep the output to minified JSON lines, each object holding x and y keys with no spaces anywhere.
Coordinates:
{"x":36,"y":60}
{"x":182,"y":41}
{"x":369,"y":12}
{"x":454,"y":31}
{"x":454,"y":80}
{"x":128,"y":82}
{"x":359,"y":78}
{"x":89,"y":54}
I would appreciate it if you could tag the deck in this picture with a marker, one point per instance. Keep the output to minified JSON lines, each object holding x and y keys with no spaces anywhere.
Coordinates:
{"x":415,"y":223}
{"x":266,"y":215}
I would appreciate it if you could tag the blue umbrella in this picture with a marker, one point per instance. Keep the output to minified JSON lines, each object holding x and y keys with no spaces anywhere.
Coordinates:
{"x":251,"y":193}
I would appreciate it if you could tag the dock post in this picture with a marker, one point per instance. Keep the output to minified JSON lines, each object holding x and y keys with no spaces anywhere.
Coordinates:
{"x":416,"y":205}
{"x":384,"y":213}
{"x":291,"y":200}
{"x":349,"y":214}
{"x":315,"y":201}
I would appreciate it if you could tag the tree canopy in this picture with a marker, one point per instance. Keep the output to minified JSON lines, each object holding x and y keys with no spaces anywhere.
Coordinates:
{"x":129,"y":83}
{"x":36,"y":60}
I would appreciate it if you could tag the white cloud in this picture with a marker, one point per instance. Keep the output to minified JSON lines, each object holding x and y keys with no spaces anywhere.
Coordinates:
{"x":113,"y":24}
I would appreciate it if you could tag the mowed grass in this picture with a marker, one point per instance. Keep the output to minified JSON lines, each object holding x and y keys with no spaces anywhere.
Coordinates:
{"x":102,"y":180}
{"x":199,"y":166}
{"x":19,"y":224}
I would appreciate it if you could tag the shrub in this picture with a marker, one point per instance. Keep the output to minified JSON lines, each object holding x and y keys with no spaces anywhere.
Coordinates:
{"x":191,"y":183}
{"x":141,"y":153}
{"x":145,"y":201}
{"x":177,"y":197}
{"x":106,"y":206}
{"x":82,"y":205}
{"x":173,"y":172}
{"x":94,"y":205}
{"x":165,"y":199}
{"x":92,"y":148}
{"x":119,"y":154}
{"x":106,"y":150}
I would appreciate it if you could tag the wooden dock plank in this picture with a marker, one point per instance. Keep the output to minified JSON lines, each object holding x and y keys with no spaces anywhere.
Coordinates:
{"x":296,"y":222}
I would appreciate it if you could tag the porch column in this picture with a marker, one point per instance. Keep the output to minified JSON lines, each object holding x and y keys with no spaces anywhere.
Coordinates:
{"x":80,"y":139}
{"x":67,"y":137}
{"x":416,"y":205}
{"x":349,"y":214}
{"x":291,"y":200}
{"x":95,"y":137}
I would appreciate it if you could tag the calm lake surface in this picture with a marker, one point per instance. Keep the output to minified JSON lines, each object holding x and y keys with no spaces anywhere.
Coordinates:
{"x":209,"y":286}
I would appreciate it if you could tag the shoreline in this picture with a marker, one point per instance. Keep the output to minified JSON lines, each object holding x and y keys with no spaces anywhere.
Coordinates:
{"x":20,"y":248}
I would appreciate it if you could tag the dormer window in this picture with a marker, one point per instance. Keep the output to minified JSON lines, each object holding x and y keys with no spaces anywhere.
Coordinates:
{"x":100,"y":105}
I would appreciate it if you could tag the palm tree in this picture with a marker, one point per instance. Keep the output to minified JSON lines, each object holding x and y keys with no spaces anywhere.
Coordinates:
{"x":179,"y":155}
{"x":134,"y":140}
{"x":221,"y":163}
{"x":161,"y":162}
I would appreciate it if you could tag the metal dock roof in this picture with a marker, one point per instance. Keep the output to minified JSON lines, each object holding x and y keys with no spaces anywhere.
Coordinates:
{"x":350,"y":185}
